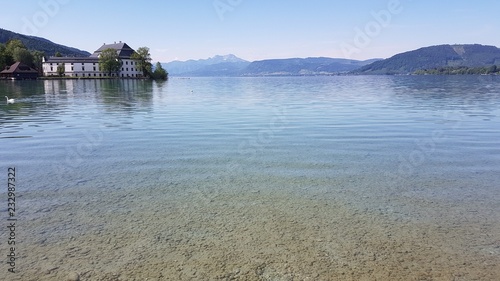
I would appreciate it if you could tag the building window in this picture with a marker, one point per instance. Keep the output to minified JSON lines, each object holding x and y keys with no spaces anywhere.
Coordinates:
{"x":83,"y":68}
{"x":51,"y":68}
{"x":93,"y":63}
{"x":95,"y":75}
{"x":122,"y":68}
{"x":76,"y":74}
{"x":126,"y":62}
{"x":94,"y":67}
{"x":71,"y":63}
{"x":71,"y":68}
{"x":127,"y":68}
{"x":83,"y":64}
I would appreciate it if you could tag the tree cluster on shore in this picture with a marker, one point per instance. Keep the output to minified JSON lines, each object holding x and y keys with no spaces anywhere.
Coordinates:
{"x":14,"y":51}
{"x":460,"y":70}
{"x":110,"y":62}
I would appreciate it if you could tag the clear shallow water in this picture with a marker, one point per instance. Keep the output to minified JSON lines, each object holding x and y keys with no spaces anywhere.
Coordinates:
{"x":412,"y":148}
{"x":404,"y":127}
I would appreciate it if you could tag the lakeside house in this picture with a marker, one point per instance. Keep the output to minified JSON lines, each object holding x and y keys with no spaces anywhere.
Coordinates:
{"x":19,"y":71}
{"x":89,"y":66}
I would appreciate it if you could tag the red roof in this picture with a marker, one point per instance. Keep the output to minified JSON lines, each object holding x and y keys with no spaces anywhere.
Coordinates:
{"x":19,"y":67}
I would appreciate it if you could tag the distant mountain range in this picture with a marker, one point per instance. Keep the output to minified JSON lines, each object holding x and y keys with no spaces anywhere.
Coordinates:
{"x":427,"y":58}
{"x":405,"y":63}
{"x":305,"y":67}
{"x":41,"y":44}
{"x":230,"y":65}
{"x":435,"y":57}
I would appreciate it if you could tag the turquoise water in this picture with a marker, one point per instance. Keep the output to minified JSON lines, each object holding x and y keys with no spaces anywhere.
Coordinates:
{"x":407,"y":147}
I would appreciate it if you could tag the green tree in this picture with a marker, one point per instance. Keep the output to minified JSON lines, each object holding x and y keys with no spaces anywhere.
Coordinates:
{"x":10,"y":47}
{"x":3,"y":57}
{"x":60,"y":69}
{"x":13,"y":44}
{"x":160,"y":73}
{"x":143,"y":59}
{"x":38,"y":60}
{"x":109,"y":61}
{"x":57,"y":54}
{"x":22,"y":55}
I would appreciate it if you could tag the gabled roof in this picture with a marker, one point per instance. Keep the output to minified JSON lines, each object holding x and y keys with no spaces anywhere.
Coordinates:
{"x":19,"y":67}
{"x":124,"y":50}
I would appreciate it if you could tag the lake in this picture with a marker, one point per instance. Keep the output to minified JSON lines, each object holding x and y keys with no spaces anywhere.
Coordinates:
{"x":286,"y":178}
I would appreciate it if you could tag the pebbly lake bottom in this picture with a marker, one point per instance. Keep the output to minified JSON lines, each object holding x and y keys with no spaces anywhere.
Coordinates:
{"x":309,"y":178}
{"x":267,"y":228}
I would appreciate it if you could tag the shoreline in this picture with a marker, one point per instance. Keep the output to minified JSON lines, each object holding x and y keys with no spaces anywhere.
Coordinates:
{"x":167,"y":233}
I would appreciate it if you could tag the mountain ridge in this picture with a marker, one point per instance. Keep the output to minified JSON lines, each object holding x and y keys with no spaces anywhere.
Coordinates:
{"x":235,"y":66}
{"x":303,"y":66}
{"x":457,"y":55}
{"x":446,"y":57}
{"x":41,"y":44}
{"x":193,"y":66}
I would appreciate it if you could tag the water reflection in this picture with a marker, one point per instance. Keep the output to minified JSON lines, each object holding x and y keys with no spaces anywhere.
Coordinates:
{"x":472,"y":96}
{"x":116,"y":93}
{"x":54,"y":101}
{"x":126,"y":95}
{"x":454,"y":90}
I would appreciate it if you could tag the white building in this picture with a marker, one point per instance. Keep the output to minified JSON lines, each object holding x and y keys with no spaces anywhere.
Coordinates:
{"x":89,"y":66}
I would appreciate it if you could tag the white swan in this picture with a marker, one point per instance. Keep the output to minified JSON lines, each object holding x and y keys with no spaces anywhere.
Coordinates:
{"x":9,"y":100}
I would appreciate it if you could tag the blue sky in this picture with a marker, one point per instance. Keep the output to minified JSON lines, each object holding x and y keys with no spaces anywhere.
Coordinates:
{"x":258,"y":29}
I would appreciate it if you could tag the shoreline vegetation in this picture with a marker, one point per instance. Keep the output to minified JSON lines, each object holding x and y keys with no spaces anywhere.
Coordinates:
{"x":15,"y":51}
{"x":460,"y":70}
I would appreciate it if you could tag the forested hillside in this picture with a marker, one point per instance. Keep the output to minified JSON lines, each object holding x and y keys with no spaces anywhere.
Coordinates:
{"x":435,"y":57}
{"x":40,"y":44}
{"x":30,"y":50}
